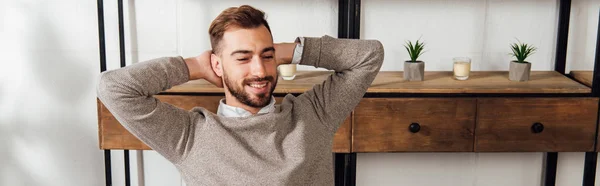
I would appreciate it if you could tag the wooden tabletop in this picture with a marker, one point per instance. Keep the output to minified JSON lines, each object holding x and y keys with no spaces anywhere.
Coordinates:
{"x":435,"y":82}
{"x":584,"y":77}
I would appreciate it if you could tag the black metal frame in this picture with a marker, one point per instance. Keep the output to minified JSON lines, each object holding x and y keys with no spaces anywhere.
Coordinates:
{"x":596,"y":78}
{"x":591,"y":158}
{"x":550,"y":168}
{"x":349,"y":27}
{"x":123,"y":64}
{"x":564,"y":14}
{"x":102,"y":39}
{"x":562,"y":38}
{"x":589,"y":168}
{"x":349,"y":19}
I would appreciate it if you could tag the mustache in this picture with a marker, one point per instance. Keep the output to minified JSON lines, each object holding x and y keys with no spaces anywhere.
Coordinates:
{"x":266,"y":78}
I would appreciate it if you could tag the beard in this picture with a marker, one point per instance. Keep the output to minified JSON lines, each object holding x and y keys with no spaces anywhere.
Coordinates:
{"x":238,"y":91}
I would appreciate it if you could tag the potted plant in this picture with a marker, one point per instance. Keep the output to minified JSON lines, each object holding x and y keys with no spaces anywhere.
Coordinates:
{"x":414,"y":70}
{"x":520,"y":69}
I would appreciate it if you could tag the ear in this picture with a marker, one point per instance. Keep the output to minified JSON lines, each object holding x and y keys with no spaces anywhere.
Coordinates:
{"x":216,"y":64}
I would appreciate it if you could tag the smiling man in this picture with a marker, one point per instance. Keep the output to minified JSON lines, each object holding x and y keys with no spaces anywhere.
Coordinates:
{"x":250,"y":140}
{"x":244,"y":55}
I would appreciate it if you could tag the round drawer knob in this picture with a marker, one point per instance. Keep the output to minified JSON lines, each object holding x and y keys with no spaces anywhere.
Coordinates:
{"x":414,"y":127}
{"x":537,"y":127}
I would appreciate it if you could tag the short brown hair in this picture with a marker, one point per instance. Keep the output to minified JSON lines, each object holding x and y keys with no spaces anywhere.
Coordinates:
{"x":244,"y":16}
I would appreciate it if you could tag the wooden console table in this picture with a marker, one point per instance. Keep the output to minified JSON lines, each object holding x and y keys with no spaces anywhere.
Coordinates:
{"x":550,"y":113}
{"x":487,"y":113}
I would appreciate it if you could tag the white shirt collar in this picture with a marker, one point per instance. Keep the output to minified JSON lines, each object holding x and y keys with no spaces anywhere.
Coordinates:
{"x":231,"y":111}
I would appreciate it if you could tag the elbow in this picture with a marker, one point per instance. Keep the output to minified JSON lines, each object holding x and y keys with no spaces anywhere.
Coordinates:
{"x":379,"y":53}
{"x":103,"y":87}
{"x":376,"y":55}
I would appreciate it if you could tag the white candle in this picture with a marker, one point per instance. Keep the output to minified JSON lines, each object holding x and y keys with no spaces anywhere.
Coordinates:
{"x":462,"y":68}
{"x":288,"y":71}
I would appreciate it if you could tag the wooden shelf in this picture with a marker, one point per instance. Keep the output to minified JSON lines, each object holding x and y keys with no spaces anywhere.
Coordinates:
{"x":380,"y":124}
{"x":584,"y":77}
{"x":435,"y":82}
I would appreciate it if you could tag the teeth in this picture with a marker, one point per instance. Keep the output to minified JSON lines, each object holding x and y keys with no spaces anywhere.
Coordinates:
{"x":258,"y":85}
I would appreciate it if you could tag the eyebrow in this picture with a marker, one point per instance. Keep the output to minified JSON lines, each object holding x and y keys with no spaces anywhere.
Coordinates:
{"x":268,"y":49}
{"x":241,"y":52}
{"x":248,"y":51}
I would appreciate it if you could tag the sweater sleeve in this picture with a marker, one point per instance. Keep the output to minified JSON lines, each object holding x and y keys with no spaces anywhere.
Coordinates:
{"x":355,"y":64}
{"x":128,"y":94}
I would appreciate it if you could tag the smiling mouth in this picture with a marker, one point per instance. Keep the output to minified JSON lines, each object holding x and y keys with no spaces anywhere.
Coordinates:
{"x":259,"y":87}
{"x":258,"y":84}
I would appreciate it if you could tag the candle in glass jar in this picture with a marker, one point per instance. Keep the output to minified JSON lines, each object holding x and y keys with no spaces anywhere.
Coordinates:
{"x":462,"y":68}
{"x":287,"y":71}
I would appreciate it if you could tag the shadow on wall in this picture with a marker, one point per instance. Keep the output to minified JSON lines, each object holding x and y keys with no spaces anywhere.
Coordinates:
{"x":51,"y":138}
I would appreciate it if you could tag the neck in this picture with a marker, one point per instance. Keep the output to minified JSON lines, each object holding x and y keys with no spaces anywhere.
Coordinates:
{"x":232,"y":101}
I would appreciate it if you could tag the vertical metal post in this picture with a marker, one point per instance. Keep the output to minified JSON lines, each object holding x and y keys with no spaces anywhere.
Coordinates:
{"x":123,"y":63}
{"x":340,"y":165}
{"x":348,"y":27}
{"x":107,"y":168}
{"x":121,"y":34}
{"x":589,"y":169}
{"x":591,"y":158}
{"x":354,"y":15}
{"x":550,"y":171}
{"x":562,"y":37}
{"x":349,"y":19}
{"x":127,"y":172}
{"x":102,"y":47}
{"x":343,"y":19}
{"x":101,"y":36}
{"x":351,"y":169}
{"x":596,"y":78}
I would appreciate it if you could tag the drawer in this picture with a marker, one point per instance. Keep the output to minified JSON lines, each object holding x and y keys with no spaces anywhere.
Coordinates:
{"x":112,"y":135}
{"x":414,"y":124}
{"x":536,"y":124}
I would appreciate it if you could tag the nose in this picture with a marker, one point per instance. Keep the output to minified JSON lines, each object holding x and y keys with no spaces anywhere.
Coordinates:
{"x":257,"y":67}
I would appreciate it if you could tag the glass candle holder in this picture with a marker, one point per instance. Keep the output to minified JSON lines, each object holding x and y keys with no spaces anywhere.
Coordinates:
{"x":287,"y":71}
{"x":462,"y":68}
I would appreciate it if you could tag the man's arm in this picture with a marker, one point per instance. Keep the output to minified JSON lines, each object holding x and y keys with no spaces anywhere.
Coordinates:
{"x":128,"y":94}
{"x":355,"y":62}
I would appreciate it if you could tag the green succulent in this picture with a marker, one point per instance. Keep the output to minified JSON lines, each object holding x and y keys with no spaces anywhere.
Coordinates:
{"x":414,"y":50}
{"x":521,"y":51}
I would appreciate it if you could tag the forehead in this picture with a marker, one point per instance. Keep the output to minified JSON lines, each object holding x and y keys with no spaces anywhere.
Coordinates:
{"x":253,"y":39}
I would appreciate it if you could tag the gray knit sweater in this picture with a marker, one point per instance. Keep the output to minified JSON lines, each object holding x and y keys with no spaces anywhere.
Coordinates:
{"x":290,"y":146}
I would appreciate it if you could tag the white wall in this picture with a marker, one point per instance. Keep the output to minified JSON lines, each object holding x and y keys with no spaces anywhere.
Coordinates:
{"x":48,"y":125}
{"x":48,"y":122}
{"x":582,"y":34}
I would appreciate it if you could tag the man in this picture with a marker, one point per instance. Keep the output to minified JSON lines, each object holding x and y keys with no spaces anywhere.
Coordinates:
{"x":251,"y":140}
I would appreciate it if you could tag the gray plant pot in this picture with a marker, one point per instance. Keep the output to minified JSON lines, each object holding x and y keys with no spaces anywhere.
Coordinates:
{"x":414,"y":71}
{"x":519,"y":71}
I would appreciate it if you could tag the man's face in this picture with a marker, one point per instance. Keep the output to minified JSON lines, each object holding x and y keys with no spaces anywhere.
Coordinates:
{"x":248,"y":65}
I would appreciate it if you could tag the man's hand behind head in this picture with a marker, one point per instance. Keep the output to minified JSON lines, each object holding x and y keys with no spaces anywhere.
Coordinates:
{"x":199,"y":67}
